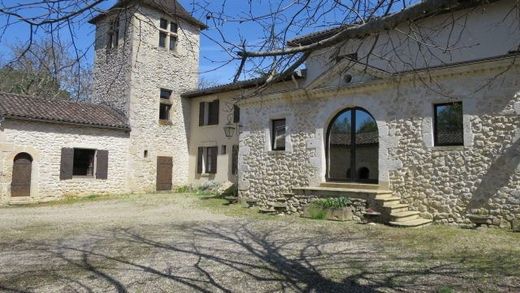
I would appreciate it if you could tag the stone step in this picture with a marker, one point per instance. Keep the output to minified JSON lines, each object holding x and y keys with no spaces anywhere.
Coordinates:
{"x":384,"y":196}
{"x":404,"y":216}
{"x":267,"y":211}
{"x":388,"y":200}
{"x":341,"y":191}
{"x":347,"y":185}
{"x":411,"y":223}
{"x":396,"y":208}
{"x":393,"y":205}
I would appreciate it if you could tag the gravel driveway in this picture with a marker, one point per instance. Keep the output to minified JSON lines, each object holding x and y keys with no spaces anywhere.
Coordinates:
{"x":167,"y":243}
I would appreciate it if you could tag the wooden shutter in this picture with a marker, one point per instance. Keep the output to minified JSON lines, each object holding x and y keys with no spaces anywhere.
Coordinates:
{"x":102,"y":164}
{"x":200,"y":151}
{"x":201,"y":113}
{"x":212,"y":156}
{"x":234,"y":160}
{"x":236,"y":114}
{"x":67,"y":163}
{"x":213,"y":112}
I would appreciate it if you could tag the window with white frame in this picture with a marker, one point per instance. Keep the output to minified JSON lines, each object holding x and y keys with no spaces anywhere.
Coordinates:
{"x":278,"y":135}
{"x":448,"y":128}
{"x":168,"y":34}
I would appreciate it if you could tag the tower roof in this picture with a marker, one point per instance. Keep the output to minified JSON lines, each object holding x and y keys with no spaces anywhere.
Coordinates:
{"x":170,"y":7}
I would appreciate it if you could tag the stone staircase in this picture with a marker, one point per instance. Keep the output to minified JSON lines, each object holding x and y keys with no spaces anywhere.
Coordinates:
{"x":392,"y":211}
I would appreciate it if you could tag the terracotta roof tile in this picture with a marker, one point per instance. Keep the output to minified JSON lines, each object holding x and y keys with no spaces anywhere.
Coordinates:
{"x":13,"y":106}
{"x":171,"y":7}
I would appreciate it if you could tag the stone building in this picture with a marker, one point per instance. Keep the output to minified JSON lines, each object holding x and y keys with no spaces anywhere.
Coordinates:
{"x":134,"y":133}
{"x":418,"y":131}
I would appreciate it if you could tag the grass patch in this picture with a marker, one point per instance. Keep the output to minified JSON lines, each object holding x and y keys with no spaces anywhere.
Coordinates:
{"x":316,"y":212}
{"x":492,"y":251}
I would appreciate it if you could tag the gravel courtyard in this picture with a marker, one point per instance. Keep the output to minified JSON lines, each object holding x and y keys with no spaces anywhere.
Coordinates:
{"x":185,"y":243}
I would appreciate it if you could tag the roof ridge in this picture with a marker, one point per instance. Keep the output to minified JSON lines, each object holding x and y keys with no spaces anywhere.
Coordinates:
{"x":46,"y":100}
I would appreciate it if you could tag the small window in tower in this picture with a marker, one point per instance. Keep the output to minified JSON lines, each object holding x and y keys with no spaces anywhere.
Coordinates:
{"x":164,"y":24}
{"x":166,"y":94}
{"x":173,"y":27}
{"x":113,"y":34}
{"x":162,"y":40}
{"x":164,"y":112}
{"x":165,"y":106}
{"x":173,"y":43}
{"x":168,"y":34}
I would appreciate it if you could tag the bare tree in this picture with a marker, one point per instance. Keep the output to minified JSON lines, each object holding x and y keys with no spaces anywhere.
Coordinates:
{"x":272,"y":55}
{"x":46,"y":70}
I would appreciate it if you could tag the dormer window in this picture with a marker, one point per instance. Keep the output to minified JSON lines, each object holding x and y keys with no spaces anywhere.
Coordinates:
{"x":168,"y":34}
{"x":113,"y":34}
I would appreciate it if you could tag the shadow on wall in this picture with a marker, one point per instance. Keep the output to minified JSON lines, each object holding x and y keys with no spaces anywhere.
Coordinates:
{"x":496,"y":177}
{"x":227,"y":258}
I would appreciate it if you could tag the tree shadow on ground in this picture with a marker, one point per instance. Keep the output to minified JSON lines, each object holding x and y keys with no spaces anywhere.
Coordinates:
{"x":225,"y":258}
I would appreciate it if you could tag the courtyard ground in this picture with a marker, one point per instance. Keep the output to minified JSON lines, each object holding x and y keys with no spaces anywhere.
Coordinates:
{"x":186,"y":242}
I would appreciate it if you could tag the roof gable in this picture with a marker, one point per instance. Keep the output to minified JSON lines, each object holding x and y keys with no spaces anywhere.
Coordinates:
{"x":335,"y":74}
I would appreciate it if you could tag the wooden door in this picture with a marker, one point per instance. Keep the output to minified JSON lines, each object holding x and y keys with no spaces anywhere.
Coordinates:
{"x":164,"y":173}
{"x":21,"y":182}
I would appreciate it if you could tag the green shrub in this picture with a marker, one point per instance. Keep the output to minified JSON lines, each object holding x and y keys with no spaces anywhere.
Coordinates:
{"x":184,"y":189}
{"x":333,"y":203}
{"x":317,"y":213}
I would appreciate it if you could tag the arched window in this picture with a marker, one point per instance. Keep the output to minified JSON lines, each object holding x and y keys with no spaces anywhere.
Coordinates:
{"x":352,"y":140}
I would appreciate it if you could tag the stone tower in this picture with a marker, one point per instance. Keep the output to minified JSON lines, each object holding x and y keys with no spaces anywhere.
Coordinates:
{"x":147,"y":54}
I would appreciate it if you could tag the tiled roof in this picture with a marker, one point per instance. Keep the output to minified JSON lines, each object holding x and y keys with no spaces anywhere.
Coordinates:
{"x":242,"y":84}
{"x":315,"y":36}
{"x":13,"y":106}
{"x":170,"y":7}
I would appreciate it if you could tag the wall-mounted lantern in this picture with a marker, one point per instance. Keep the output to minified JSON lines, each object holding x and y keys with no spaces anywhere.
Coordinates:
{"x":229,"y":130}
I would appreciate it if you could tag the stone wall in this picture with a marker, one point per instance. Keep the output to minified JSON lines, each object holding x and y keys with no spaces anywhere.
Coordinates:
{"x":44,"y":141}
{"x":112,"y":67}
{"x":444,"y":183}
{"x":154,"y":68}
{"x":134,"y":75}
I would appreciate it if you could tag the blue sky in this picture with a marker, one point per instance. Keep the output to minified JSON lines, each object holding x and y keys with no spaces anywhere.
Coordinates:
{"x":212,"y":56}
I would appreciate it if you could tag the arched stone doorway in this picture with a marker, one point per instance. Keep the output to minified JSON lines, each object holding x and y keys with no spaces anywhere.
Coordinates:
{"x":352,"y":147}
{"x":22,"y":170}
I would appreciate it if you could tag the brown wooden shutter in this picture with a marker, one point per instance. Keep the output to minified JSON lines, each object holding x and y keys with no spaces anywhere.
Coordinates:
{"x":234,"y":160}
{"x":200,"y":151}
{"x":102,"y":165}
{"x":213,"y":112}
{"x":201,"y":113}
{"x":236,"y":114}
{"x":67,"y":163}
{"x":216,"y":109}
{"x":213,"y":151}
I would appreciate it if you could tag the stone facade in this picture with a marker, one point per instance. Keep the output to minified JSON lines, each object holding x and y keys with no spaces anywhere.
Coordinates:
{"x":444,"y":183}
{"x":44,"y":141}
{"x":136,"y":72}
